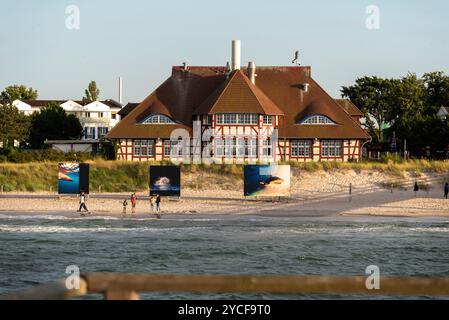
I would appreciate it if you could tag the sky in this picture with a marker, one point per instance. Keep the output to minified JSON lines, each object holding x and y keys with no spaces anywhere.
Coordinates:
{"x":140,"y":40}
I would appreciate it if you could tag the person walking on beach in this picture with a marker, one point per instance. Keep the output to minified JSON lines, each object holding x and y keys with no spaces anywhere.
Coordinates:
{"x":82,"y":202}
{"x":125,"y":204}
{"x":152,"y":202}
{"x":416,"y":188}
{"x":446,"y":189}
{"x":158,"y":203}
{"x":133,"y":202}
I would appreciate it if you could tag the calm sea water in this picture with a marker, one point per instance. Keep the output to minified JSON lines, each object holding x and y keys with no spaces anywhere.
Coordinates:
{"x":37,"y":249}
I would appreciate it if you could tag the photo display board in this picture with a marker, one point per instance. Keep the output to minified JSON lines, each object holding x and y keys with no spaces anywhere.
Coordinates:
{"x":165,"y":181}
{"x":266,"y":180}
{"x":73,"y":178}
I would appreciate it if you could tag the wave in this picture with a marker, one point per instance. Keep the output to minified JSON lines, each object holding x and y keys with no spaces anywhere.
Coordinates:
{"x":352,"y":230}
{"x":93,"y":229}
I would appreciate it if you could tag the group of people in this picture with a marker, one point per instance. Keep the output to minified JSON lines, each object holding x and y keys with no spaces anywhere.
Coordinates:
{"x":155,"y":203}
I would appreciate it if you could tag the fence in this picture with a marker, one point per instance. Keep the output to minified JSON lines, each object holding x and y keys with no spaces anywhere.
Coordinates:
{"x":128,"y":286}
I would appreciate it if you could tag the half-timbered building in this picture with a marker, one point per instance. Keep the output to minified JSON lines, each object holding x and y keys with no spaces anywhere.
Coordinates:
{"x":241,"y":113}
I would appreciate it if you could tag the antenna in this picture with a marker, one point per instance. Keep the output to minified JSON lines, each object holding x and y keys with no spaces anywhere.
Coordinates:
{"x":296,"y":59}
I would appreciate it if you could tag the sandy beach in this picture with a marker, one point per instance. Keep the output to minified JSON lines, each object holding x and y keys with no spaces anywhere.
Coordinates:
{"x":319,"y":193}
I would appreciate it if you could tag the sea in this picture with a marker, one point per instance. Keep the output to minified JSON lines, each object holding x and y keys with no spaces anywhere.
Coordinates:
{"x":37,"y":248}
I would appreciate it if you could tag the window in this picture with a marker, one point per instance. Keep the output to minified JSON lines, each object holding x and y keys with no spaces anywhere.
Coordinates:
{"x":246,"y":147}
{"x":317,"y":119}
{"x":157,"y":119}
{"x":144,"y":148}
{"x":237,"y":118}
{"x":100,"y":114}
{"x":102,"y":131}
{"x":301,"y":148}
{"x":207,"y":119}
{"x":114,"y":115}
{"x":226,"y":147}
{"x":87,"y":114}
{"x":89,"y":133}
{"x":219,"y":147}
{"x":267,"y":119}
{"x":266,"y":147}
{"x":331,"y":148}
{"x":173,"y":148}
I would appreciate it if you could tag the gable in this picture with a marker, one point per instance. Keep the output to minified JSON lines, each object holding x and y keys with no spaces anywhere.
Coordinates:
{"x":238,"y":95}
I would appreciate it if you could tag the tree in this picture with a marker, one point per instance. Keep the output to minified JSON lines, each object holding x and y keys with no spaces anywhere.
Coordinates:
{"x":423,"y":133}
{"x":436,"y":91}
{"x":53,"y":123}
{"x":14,"y":125}
{"x":408,"y":98}
{"x":374,"y":97}
{"x":11,"y":93}
{"x":91,"y":93}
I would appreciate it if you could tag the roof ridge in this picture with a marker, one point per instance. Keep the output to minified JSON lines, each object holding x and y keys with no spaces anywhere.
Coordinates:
{"x":223,"y":90}
{"x":250,"y":84}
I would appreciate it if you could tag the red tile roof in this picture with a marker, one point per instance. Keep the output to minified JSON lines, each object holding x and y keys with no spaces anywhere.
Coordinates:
{"x":127,"y":109}
{"x":349,"y":107}
{"x":278,"y":90}
{"x":235,"y":92}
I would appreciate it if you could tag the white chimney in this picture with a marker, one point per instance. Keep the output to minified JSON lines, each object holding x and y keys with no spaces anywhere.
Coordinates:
{"x":252,"y":72}
{"x":235,"y":55}
{"x":120,"y":89}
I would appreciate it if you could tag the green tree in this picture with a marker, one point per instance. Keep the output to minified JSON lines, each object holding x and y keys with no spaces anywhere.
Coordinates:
{"x":374,"y":97}
{"x":14,"y":125}
{"x":408,"y":97}
{"x":91,"y":93}
{"x":53,"y":123}
{"x":423,"y":133}
{"x":436,"y":91}
{"x":14,"y":92}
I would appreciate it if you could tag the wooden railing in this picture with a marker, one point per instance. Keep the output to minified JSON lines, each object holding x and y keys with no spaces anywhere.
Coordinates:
{"x":127,"y":286}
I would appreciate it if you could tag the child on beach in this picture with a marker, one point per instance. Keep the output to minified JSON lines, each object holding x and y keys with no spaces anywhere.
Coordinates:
{"x":133,"y":202}
{"x":125,"y":203}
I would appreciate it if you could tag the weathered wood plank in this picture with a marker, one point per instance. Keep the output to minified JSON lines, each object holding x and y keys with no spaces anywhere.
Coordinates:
{"x":51,"y":291}
{"x":127,"y":286}
{"x":100,"y":282}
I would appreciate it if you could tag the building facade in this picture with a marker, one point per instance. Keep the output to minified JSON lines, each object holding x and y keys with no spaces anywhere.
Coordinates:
{"x":237,"y":114}
{"x":97,"y":118}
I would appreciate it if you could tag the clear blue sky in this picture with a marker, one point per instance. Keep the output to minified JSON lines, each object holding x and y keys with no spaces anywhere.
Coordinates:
{"x":140,"y":40}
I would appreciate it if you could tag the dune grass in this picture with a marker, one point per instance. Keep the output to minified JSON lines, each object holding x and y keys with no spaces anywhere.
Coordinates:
{"x":124,"y":176}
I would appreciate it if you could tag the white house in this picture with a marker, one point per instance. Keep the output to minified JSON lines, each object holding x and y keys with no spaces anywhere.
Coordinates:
{"x":97,"y":118}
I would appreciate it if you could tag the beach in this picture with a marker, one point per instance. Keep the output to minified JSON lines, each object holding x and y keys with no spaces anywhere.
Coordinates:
{"x":342,"y":193}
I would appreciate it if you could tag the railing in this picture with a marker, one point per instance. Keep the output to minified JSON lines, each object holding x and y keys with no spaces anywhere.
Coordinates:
{"x":115,"y":286}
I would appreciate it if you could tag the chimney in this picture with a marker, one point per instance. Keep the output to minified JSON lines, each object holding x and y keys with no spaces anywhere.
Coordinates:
{"x":235,"y":55}
{"x":252,"y":72}
{"x":120,"y":89}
